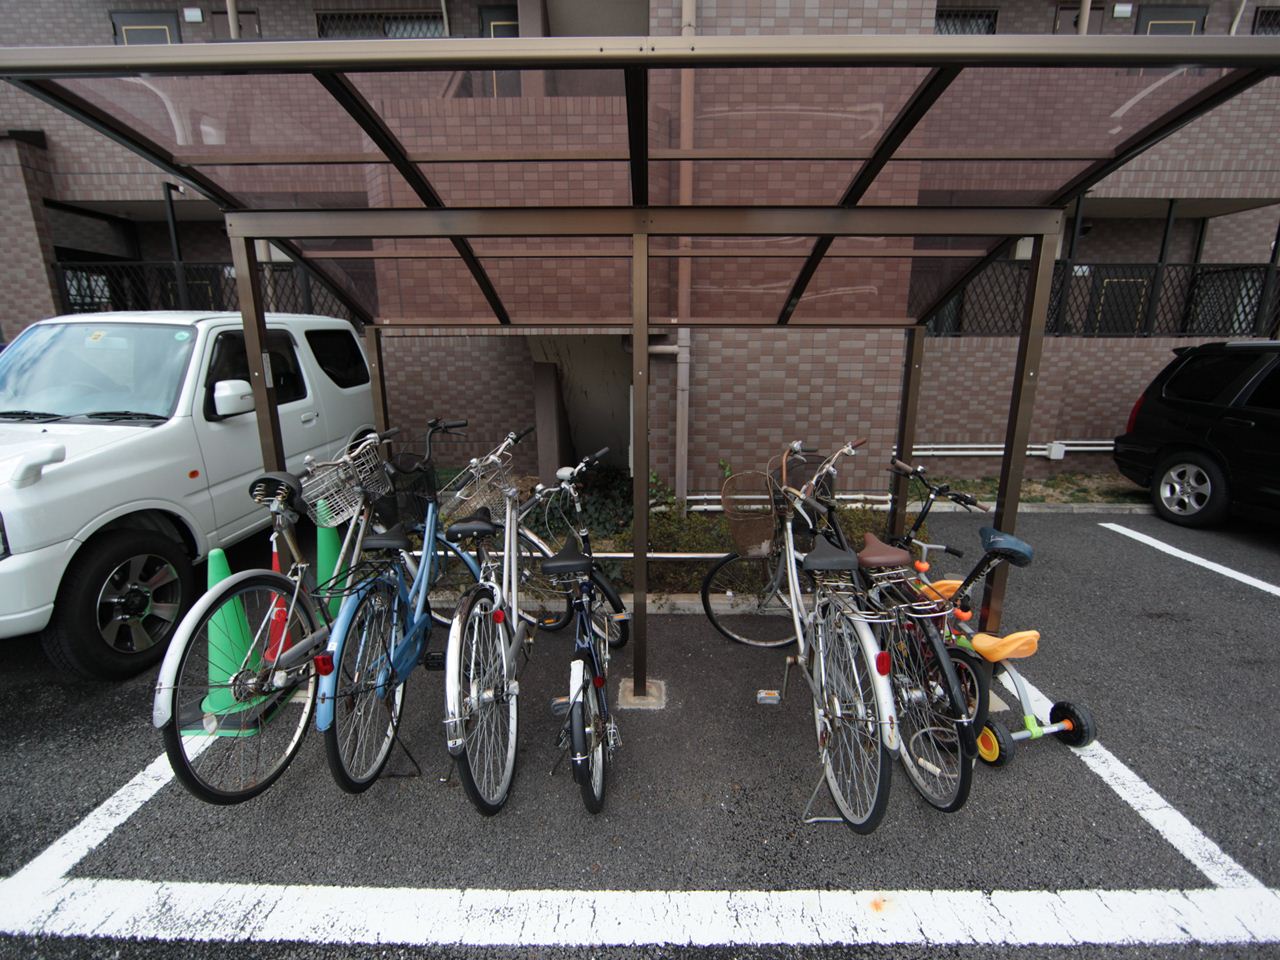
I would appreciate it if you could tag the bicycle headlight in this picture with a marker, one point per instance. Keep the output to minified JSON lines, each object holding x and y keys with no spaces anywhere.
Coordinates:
{"x":4,"y":541}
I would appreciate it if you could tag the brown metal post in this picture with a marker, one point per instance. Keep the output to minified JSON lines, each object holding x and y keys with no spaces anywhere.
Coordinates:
{"x":1021,"y":405}
{"x":249,"y":286}
{"x":373,"y":350}
{"x":640,"y":458}
{"x":912,"y":367}
{"x":1157,"y":281}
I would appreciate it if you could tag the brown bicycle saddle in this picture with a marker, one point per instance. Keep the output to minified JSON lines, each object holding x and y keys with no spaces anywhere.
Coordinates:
{"x":877,"y":553}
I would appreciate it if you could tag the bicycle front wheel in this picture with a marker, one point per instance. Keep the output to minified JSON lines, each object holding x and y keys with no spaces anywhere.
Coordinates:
{"x":488,"y":701}
{"x":747,"y":600}
{"x":590,"y":741}
{"x":608,"y":615}
{"x":233,"y":727}
{"x":854,"y":756}
{"x":368,"y":697}
{"x":932,"y":714}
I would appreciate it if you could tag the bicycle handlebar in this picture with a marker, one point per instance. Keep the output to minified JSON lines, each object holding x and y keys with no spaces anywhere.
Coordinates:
{"x":523,"y":433}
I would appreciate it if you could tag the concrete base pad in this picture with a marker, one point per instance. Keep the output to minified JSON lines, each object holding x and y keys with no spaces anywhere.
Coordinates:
{"x":655,"y":699}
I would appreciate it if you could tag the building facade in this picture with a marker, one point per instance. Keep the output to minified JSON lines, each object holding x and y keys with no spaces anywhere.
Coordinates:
{"x":1176,"y":245}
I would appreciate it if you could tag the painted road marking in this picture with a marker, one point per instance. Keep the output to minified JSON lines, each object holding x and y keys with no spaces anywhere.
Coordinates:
{"x":567,"y":918}
{"x":1181,"y":833}
{"x":1160,"y":545}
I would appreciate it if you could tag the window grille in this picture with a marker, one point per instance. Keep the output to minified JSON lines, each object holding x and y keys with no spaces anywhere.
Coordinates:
{"x":373,"y":26}
{"x":964,"y":22}
{"x":1266,"y":22}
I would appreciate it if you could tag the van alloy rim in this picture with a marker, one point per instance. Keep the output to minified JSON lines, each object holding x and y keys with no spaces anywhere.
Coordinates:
{"x":138,"y":604}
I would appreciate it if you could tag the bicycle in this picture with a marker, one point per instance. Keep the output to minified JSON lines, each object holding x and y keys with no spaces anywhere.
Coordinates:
{"x":237,"y":687}
{"x":383,"y":632}
{"x":985,"y":655}
{"x":838,"y":655}
{"x":490,"y":630}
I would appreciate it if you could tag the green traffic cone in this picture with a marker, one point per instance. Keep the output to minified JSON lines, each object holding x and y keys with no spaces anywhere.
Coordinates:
{"x":328,"y":545}
{"x":229,"y":641}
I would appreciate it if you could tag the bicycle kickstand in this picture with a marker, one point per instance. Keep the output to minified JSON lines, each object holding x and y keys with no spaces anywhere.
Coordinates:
{"x":773,"y":698}
{"x":417,"y":767}
{"x":808,"y":817}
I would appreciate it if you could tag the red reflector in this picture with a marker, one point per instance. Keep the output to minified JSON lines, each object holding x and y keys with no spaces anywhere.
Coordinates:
{"x":1133,"y":414}
{"x":882,"y":663}
{"x":499,"y":616}
{"x":598,"y":681}
{"x":324,"y":664}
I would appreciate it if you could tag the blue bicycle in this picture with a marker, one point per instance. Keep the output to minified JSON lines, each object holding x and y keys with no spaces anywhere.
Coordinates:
{"x":382,"y":630}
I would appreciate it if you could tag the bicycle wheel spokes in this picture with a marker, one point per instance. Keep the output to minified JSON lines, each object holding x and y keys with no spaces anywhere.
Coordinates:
{"x":489,"y":705}
{"x":232,"y":731}
{"x":746,"y":599}
{"x":368,"y":698}
{"x":854,"y":757}
{"x":931,"y":751}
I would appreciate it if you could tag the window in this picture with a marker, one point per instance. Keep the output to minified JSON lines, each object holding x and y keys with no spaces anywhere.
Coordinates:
{"x":1170,"y":21}
{"x":248,"y":20}
{"x":339,"y":356}
{"x":1067,"y":18}
{"x":230,"y":362}
{"x":497,"y":22}
{"x":1266,"y":395}
{"x":372,"y":26}
{"x":964,"y":22}
{"x":1266,"y":22}
{"x":132,"y":28}
{"x":1202,"y":378}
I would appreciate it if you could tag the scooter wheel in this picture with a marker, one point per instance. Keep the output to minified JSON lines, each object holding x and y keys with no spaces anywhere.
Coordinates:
{"x":1082,"y":732}
{"x":995,"y":745}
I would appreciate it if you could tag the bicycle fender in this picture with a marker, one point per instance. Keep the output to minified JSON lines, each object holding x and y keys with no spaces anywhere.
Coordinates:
{"x":327,"y":688}
{"x":454,"y":732}
{"x":882,"y":687}
{"x":161,"y":713}
{"x":576,"y":682}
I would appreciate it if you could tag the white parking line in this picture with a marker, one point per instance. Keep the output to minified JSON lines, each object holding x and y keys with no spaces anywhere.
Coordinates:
{"x":1181,"y":833}
{"x":1163,"y":547}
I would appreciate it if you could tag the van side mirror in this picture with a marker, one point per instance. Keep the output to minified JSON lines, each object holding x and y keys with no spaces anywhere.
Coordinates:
{"x":232,"y":397}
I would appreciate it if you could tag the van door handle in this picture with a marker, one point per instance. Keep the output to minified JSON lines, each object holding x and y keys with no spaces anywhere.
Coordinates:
{"x":310,"y":417}
{"x":1238,"y":421}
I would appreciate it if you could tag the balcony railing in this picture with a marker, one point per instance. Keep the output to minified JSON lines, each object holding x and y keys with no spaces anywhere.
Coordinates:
{"x":163,"y":285}
{"x":1120,"y":300}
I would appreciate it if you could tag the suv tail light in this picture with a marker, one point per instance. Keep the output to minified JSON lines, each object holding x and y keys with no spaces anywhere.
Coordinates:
{"x":1133,"y":414}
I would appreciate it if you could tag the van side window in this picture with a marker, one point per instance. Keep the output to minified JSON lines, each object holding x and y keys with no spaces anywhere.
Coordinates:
{"x":339,"y":356}
{"x":1266,"y":395}
{"x":231,"y":363}
{"x":1205,"y":376}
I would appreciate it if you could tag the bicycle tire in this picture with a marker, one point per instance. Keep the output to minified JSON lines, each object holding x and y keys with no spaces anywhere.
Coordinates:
{"x":217,"y":727}
{"x":855,"y":759}
{"x":746,"y":599}
{"x":368,"y":704}
{"x":606,"y":617}
{"x":930,"y":714}
{"x":490,"y":708}
{"x":590,"y":742}
{"x":543,"y":602}
{"x":974,"y":676}
{"x":451,"y":578}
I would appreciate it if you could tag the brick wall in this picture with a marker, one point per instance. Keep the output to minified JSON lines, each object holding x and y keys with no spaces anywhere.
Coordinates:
{"x":25,"y":236}
{"x":1243,"y":237}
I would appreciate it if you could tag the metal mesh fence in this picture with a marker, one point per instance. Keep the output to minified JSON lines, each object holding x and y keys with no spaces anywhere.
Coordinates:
{"x":964,"y":22}
{"x":366,"y":25}
{"x":1266,"y":21}
{"x":1117,"y":300}
{"x":97,"y":287}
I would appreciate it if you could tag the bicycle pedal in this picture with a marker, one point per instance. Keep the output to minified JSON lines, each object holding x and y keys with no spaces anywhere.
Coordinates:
{"x":433,"y":660}
{"x":559,"y":706}
{"x":769,"y":698}
{"x":618,"y":617}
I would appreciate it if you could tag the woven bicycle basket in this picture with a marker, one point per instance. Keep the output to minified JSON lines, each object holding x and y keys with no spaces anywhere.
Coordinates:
{"x":747,"y":499}
{"x":332,"y":491}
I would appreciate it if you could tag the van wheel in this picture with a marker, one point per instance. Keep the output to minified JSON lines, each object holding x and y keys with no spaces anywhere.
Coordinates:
{"x":1190,"y":490}
{"x":120,"y":601}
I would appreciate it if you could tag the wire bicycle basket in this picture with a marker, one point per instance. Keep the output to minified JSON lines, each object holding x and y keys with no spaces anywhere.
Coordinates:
{"x":332,"y":490}
{"x":481,"y":484}
{"x":749,"y":509}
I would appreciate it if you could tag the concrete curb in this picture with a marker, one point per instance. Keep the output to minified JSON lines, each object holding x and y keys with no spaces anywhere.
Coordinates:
{"x":1060,"y":508}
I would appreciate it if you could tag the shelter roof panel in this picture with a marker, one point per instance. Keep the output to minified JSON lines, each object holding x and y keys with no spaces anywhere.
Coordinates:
{"x":752,"y":182}
{"x":563,"y":291}
{"x":849,"y":289}
{"x":544,"y":184}
{"x":971,"y":183}
{"x":300,"y":186}
{"x":422,"y":291}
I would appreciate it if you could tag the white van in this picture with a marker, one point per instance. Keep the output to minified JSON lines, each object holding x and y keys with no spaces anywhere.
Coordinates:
{"x":127,"y":445}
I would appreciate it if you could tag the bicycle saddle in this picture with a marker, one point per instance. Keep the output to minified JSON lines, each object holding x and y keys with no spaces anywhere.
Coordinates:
{"x":570,"y":559}
{"x":393,"y":539}
{"x":275,"y":486}
{"x":876,"y":553}
{"x":826,"y":556}
{"x":1006,"y":545}
{"x":478,"y":525}
{"x":1021,"y":644}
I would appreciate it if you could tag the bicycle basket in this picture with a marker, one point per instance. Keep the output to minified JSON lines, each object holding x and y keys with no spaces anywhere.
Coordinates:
{"x":413,"y":487}
{"x":473,"y":488}
{"x":748,"y":504}
{"x":332,"y":490}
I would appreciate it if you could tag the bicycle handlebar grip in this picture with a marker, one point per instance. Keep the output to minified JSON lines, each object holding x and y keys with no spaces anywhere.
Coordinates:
{"x":388,"y":434}
{"x":901,"y":466}
{"x":858,"y":443}
{"x":817,"y":508}
{"x":598,"y":455}
{"x":524,"y":433}
{"x":453,"y":424}
{"x":804,"y":449}
{"x":527,"y":505}
{"x":984,"y":507}
{"x":954,"y":551}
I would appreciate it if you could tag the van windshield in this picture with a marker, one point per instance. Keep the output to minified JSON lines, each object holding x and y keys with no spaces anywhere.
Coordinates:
{"x":103,"y":372}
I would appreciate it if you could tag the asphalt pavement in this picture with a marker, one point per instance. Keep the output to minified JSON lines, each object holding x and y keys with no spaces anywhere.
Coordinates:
{"x":1174,"y":661}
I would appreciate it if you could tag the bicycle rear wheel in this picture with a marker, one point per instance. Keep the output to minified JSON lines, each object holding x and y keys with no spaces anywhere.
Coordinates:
{"x":488,"y":701}
{"x":229,"y":734}
{"x":607,"y":613}
{"x":854,"y":757}
{"x":747,"y":600}
{"x":590,"y":741}
{"x":932,"y":714}
{"x":543,"y":600}
{"x":368,"y":699}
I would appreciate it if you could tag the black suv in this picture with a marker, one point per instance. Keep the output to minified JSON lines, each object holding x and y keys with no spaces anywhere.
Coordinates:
{"x":1206,"y":433}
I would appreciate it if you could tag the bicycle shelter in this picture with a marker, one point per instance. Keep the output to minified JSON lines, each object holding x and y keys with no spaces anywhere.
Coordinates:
{"x":937,"y":154}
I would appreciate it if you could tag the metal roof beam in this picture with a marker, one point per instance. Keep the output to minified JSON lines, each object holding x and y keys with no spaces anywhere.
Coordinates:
{"x":925,"y":96}
{"x":637,"y":88}
{"x":359,"y":109}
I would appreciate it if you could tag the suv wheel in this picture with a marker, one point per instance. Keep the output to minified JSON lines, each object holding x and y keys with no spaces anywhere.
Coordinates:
{"x":1191,"y":490}
{"x":120,"y":601}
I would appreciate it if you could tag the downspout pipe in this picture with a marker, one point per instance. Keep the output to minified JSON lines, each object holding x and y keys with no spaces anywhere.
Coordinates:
{"x":684,"y":266}
{"x":233,"y":19}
